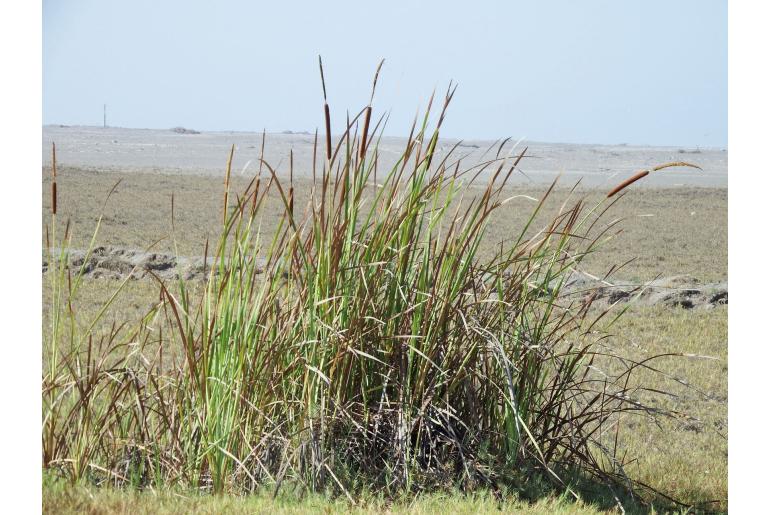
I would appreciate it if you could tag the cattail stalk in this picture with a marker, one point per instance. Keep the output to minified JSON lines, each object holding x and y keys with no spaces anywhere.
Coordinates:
{"x":205,"y":255}
{"x":259,"y":176}
{"x":327,"y":116}
{"x":227,"y":184}
{"x":327,"y":168}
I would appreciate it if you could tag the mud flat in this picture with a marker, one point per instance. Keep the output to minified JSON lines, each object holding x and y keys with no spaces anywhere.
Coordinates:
{"x":188,"y":151}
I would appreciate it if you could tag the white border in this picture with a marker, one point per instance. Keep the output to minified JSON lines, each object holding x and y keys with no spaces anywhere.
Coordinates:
{"x":749,"y":199}
{"x":20,"y":213}
{"x":20,"y":165}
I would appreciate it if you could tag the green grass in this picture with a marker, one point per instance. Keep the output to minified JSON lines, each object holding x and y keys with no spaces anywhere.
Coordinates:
{"x":685,"y":456}
{"x":62,"y":498}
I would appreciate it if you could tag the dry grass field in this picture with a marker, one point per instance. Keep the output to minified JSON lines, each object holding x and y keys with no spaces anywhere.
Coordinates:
{"x":671,"y":231}
{"x":666,"y":232}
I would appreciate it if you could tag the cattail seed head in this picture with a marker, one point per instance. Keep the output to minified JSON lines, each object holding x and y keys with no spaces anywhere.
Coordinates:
{"x":53,"y":179}
{"x":291,"y":183}
{"x":627,"y":182}
{"x":367,"y":117}
{"x":327,"y":117}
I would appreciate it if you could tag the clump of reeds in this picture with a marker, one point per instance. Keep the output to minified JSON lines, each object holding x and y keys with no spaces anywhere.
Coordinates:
{"x":371,"y":349}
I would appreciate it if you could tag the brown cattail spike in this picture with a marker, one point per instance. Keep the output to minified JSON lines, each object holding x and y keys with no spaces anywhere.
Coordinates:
{"x":53,"y":179}
{"x":291,"y":183}
{"x":367,"y":117}
{"x":628,"y":182}
{"x":644,"y":173}
{"x":328,"y":121}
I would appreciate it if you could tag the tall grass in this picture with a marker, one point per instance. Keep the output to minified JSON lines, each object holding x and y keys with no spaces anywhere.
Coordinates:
{"x":364,"y":345}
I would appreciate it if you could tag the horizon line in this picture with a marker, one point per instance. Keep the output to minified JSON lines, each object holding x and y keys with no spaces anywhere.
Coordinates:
{"x":305,"y":132}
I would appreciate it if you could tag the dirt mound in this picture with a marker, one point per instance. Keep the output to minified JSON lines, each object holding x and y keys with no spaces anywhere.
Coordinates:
{"x":686,"y":292}
{"x":677,"y":291}
{"x":182,"y":130}
{"x":118,"y":263}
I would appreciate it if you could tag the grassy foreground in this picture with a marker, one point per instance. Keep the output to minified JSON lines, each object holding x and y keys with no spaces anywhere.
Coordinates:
{"x":64,"y":499}
{"x":686,"y":459}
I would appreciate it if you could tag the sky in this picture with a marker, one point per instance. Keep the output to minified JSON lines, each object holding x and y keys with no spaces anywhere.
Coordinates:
{"x":646,"y":72}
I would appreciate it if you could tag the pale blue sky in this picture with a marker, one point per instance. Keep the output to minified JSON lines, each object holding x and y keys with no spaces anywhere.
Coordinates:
{"x":637,"y":72}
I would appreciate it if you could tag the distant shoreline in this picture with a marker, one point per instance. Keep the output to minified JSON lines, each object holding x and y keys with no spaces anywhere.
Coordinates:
{"x":188,"y":151}
{"x":305,"y":132}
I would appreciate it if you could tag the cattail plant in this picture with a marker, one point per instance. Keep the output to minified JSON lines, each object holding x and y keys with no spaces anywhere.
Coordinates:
{"x":364,"y":345}
{"x":78,"y":398}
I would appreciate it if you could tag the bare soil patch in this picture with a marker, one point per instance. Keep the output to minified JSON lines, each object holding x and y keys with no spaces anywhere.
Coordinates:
{"x":110,"y":262}
{"x":675,"y":292}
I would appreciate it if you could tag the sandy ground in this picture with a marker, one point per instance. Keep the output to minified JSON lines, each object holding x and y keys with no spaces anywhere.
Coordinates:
{"x":666,"y":231}
{"x":167,"y":151}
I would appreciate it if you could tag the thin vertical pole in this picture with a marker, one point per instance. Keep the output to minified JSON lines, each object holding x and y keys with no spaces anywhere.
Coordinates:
{"x":105,"y":116}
